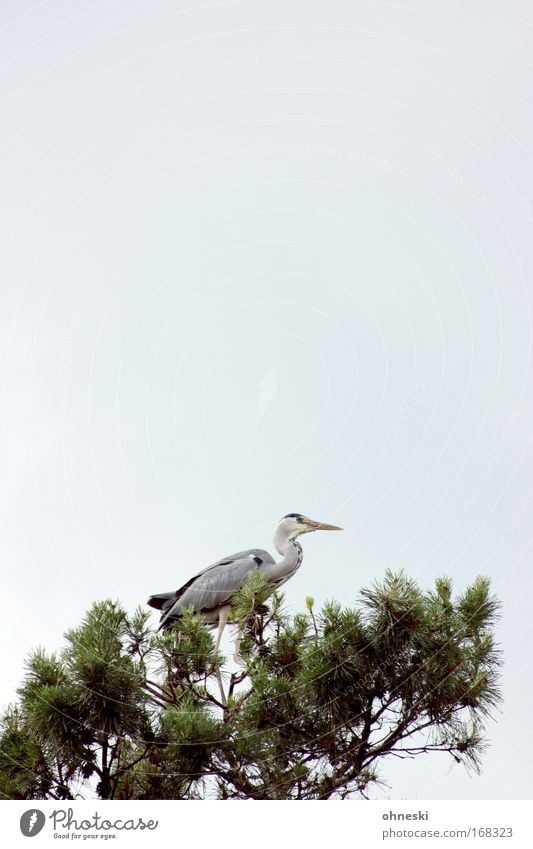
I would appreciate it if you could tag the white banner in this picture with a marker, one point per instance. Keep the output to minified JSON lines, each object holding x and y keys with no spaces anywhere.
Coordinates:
{"x":240,"y":824}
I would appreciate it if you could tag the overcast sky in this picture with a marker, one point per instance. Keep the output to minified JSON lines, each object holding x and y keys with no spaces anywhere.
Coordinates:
{"x":264,"y":257}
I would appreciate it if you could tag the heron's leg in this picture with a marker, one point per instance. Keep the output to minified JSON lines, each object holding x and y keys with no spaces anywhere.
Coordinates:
{"x":222,"y":620}
{"x":237,"y":657}
{"x":221,"y":688}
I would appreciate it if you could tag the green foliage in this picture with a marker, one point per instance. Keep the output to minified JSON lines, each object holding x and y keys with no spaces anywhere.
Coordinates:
{"x":324,"y":699}
{"x":24,"y":769}
{"x":186,"y":649}
{"x":252,"y":594}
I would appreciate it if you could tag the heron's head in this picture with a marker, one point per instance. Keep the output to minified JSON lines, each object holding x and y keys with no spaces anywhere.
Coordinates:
{"x":294,"y":525}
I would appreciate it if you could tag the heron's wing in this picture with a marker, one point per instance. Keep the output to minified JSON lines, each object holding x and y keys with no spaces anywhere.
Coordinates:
{"x":212,"y":587}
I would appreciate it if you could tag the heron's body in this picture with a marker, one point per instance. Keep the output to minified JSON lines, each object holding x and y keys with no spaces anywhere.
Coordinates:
{"x":210,"y":592}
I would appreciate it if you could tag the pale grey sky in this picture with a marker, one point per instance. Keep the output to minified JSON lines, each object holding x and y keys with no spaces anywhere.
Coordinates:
{"x":259,"y":258}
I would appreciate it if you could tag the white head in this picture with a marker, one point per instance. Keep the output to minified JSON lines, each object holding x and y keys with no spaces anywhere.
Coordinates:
{"x":294,"y":525}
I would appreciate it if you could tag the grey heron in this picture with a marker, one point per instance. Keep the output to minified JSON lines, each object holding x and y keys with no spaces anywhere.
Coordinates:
{"x":210,"y":591}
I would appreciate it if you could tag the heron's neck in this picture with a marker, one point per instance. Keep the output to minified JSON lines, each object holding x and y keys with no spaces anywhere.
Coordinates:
{"x":283,"y":544}
{"x":292,"y":554}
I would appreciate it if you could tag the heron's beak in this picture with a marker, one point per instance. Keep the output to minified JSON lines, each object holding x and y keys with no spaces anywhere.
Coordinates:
{"x":311,"y":525}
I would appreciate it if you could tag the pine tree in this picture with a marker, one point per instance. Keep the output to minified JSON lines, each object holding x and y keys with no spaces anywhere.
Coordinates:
{"x":323,"y":700}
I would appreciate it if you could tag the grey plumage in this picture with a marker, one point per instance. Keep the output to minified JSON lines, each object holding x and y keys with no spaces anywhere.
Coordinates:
{"x":212,"y":588}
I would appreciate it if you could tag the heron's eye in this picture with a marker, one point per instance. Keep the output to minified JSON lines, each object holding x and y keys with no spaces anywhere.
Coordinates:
{"x":300,"y":519}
